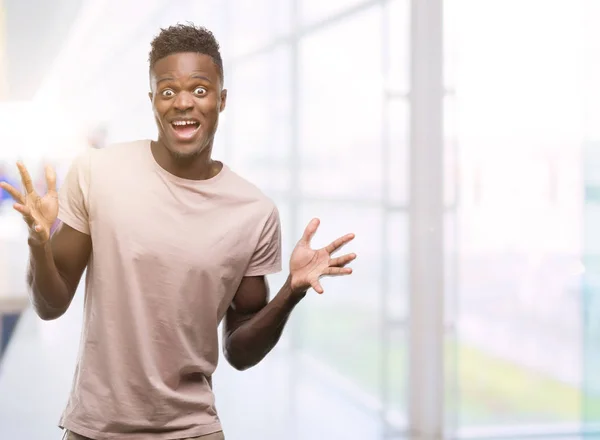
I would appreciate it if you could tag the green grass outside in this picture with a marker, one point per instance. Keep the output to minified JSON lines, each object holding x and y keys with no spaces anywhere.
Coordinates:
{"x":493,"y":391}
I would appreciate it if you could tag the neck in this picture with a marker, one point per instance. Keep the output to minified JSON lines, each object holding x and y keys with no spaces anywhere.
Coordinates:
{"x":195,"y":167}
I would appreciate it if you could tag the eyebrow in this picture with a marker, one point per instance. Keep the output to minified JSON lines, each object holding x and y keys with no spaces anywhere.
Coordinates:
{"x":194,"y":75}
{"x":198,"y":76}
{"x":166,"y":78}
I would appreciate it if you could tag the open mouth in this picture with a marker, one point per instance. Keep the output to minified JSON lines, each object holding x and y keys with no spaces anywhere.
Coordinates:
{"x":185,"y":128}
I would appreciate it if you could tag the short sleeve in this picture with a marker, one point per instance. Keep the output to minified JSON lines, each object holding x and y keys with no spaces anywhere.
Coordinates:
{"x":73,"y":195}
{"x":266,"y":259}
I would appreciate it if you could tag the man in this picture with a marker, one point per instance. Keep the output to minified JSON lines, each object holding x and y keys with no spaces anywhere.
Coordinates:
{"x":173,"y":242}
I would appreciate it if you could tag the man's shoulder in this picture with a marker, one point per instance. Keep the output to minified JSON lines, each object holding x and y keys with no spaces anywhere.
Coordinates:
{"x":121,"y":148}
{"x":247,"y":190}
{"x":115,"y":154}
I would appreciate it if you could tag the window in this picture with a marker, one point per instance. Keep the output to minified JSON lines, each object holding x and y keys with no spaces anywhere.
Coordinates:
{"x":341,"y":94}
{"x":259,"y":119}
{"x":517,"y":354}
{"x":254,"y":24}
{"x":397,"y":16}
{"x":397,"y":165}
{"x":342,"y":328}
{"x":316,"y":10}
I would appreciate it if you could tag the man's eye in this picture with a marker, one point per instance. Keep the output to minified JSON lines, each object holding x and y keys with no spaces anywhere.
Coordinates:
{"x":200,"y":91}
{"x":168,"y":93}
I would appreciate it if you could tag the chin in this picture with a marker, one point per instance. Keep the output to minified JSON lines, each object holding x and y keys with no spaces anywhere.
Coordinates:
{"x":185,"y":151}
{"x":182,"y":154}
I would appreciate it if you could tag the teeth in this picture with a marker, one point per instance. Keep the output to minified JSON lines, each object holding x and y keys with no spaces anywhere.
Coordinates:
{"x":184,"y":123}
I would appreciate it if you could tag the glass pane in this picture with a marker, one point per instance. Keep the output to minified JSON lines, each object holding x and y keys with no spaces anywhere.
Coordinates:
{"x":518,"y":347}
{"x":396,"y":383}
{"x":591,"y":286}
{"x":258,"y":120}
{"x":398,"y":114}
{"x":397,"y":13}
{"x":451,"y":397}
{"x":252,"y":24}
{"x":591,"y":324}
{"x":208,"y":13}
{"x":451,"y":267}
{"x":344,"y":325}
{"x":396,"y":266}
{"x":451,"y":146}
{"x":341,"y":109}
{"x":394,"y":317}
{"x":591,"y":241}
{"x":325,"y":408}
{"x":316,"y":10}
{"x":591,"y":45}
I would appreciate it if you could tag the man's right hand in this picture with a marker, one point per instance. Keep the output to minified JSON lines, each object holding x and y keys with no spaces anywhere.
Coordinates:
{"x":39,"y":213}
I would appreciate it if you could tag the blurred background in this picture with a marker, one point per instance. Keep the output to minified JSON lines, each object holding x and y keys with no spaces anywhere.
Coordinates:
{"x":460,"y":141}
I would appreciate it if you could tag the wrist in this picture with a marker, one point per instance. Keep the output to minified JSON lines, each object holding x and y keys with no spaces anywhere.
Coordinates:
{"x":296,"y":291}
{"x":36,"y":245}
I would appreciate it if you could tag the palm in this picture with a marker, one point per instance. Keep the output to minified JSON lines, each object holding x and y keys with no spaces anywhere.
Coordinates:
{"x":308,"y":266}
{"x":44,"y":210}
{"x":309,"y":263}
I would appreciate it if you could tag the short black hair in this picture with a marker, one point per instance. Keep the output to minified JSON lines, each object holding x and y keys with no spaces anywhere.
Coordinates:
{"x":185,"y":38}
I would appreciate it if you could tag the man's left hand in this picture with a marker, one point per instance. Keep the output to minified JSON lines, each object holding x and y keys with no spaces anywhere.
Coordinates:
{"x":308,"y":266}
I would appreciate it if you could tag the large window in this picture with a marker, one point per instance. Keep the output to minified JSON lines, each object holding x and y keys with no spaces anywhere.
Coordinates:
{"x":591,"y":241}
{"x":518,"y":124}
{"x":318,"y":118}
{"x":259,"y":119}
{"x":340,"y":96}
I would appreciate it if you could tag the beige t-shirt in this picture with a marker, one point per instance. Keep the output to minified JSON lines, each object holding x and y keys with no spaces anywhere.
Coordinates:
{"x":168,"y":256}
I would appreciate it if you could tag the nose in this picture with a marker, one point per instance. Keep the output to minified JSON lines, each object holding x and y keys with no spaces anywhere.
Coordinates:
{"x":184,"y":101}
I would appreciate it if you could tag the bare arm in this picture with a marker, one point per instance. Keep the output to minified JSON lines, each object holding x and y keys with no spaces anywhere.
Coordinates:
{"x":253,"y":325}
{"x":55,"y":269}
{"x":55,"y":263}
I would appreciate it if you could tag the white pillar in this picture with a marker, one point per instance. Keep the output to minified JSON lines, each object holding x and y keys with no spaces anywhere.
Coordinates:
{"x":426,"y":338}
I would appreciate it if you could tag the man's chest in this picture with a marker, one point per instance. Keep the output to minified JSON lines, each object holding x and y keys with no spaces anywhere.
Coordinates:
{"x":159,"y":230}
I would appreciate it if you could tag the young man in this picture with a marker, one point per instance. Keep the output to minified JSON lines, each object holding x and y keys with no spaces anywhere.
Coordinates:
{"x":173,"y":243}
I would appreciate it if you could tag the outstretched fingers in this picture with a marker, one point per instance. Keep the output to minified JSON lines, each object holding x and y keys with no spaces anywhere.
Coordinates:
{"x":339,"y":243}
{"x":51,"y":179}
{"x":26,"y":213}
{"x":342,"y":261}
{"x":14,"y":193}
{"x":25,"y":178}
{"x":337,"y":271}
{"x":330,"y":272}
{"x":317,"y":287}
{"x":310,"y":231}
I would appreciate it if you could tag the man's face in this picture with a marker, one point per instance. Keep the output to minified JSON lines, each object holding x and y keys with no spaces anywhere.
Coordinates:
{"x":187,"y":97}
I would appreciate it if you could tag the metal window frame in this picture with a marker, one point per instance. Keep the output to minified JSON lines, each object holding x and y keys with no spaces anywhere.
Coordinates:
{"x":426,"y":214}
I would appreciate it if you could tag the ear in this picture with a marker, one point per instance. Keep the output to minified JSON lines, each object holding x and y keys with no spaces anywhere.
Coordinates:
{"x":150,"y":95}
{"x":223,"y":100}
